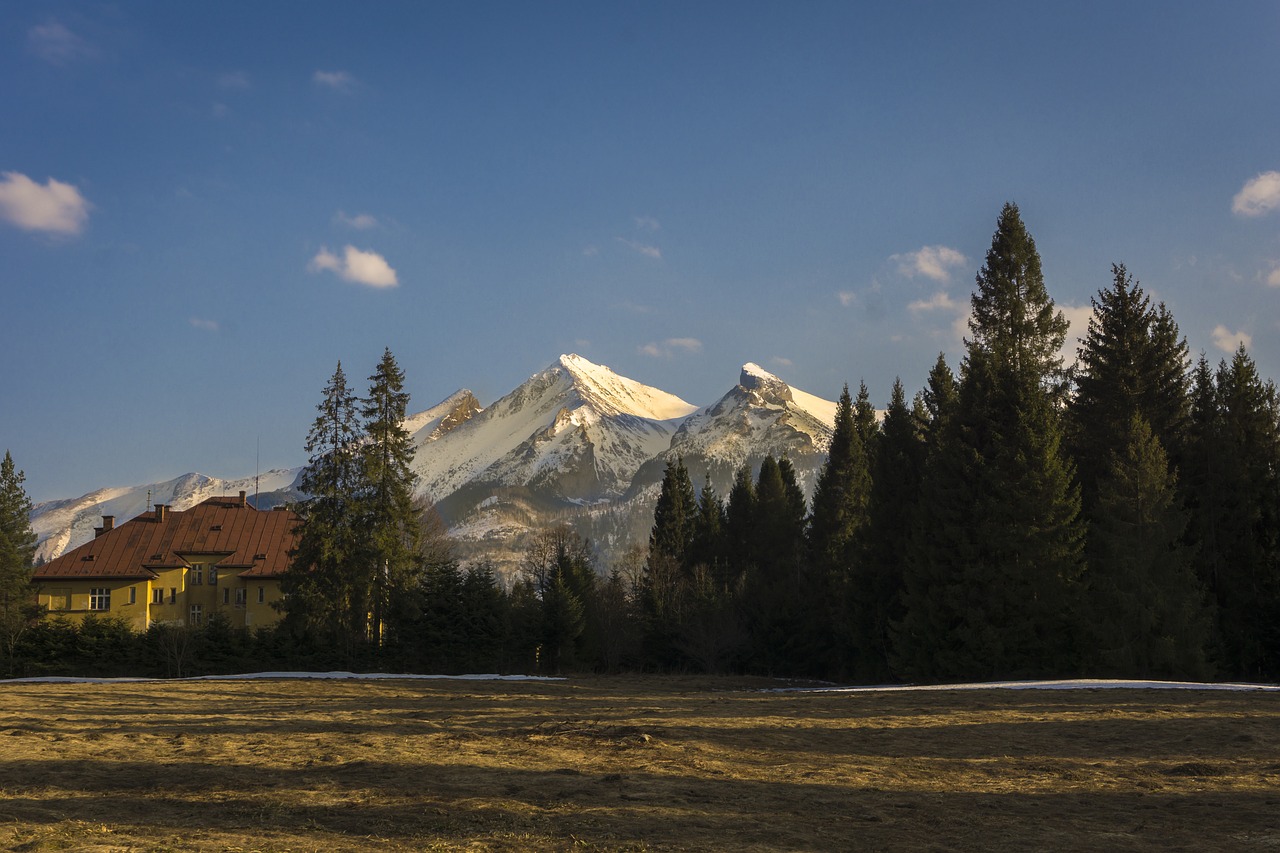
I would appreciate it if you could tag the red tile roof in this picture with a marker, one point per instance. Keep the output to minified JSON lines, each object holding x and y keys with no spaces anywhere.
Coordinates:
{"x":245,"y":541}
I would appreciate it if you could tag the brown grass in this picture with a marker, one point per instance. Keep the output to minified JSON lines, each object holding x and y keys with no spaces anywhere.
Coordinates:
{"x":633,"y":764}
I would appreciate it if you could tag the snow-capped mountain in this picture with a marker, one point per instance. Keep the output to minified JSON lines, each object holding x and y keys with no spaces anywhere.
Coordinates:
{"x":575,"y":443}
{"x":64,"y":524}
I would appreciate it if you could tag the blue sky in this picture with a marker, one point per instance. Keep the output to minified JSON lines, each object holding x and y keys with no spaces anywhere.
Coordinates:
{"x":204,"y":207}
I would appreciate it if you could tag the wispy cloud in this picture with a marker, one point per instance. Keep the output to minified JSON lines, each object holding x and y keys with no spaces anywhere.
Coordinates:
{"x":57,"y":45}
{"x":1229,"y":341}
{"x":648,"y":251}
{"x":55,"y":207}
{"x":339,"y":81}
{"x":360,"y":267}
{"x":1274,"y":278}
{"x":234,"y":80}
{"x":205,"y":325}
{"x":847,"y":298}
{"x":647,"y":223}
{"x":669,"y":347}
{"x":1078,"y":316}
{"x":1259,"y":195}
{"x":782,"y":362}
{"x":940,"y":301}
{"x":590,"y":251}
{"x":360,"y":222}
{"x":932,"y":262}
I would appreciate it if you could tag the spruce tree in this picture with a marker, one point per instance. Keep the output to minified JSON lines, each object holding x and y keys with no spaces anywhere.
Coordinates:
{"x":1146,"y":605}
{"x":326,"y":589}
{"x":836,"y":528}
{"x":390,"y":514}
{"x":892,"y":511}
{"x":1132,"y":361}
{"x":665,"y":581}
{"x":993,"y":581}
{"x":775,"y":585}
{"x":18,"y":608}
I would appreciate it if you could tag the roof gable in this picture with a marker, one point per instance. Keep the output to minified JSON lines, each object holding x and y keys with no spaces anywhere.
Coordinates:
{"x":235,"y":534}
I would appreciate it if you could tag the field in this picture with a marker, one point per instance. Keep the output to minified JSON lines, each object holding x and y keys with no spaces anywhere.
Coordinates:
{"x":631,"y":763}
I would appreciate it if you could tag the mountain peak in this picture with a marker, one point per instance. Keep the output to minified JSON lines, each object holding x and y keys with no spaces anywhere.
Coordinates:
{"x":756,"y":379}
{"x":618,"y":394}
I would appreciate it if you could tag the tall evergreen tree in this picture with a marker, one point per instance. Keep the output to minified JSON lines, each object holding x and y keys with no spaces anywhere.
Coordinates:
{"x":892,"y":511}
{"x":864,"y":421}
{"x":1235,"y":459}
{"x":326,"y":589}
{"x":993,"y":590}
{"x":18,"y":608}
{"x":775,"y":583}
{"x":836,"y":528}
{"x":391,"y":516}
{"x":1132,"y":361}
{"x":1146,"y":605}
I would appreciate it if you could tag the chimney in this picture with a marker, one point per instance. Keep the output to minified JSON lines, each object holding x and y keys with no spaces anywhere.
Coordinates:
{"x":243,"y":495}
{"x":162,"y":512}
{"x":108,"y":523}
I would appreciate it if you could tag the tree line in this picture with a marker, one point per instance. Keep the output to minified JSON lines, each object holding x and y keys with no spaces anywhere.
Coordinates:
{"x":1012,"y":519}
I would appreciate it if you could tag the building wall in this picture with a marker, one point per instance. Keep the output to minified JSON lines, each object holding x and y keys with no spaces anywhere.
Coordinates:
{"x":168,"y":598}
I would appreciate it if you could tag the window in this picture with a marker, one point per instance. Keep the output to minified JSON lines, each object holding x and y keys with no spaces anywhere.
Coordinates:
{"x":197,"y":613}
{"x":262,"y":594}
{"x":59,"y":599}
{"x":197,"y":574}
{"x":99,"y":598}
{"x":133,"y":595}
{"x":213,"y":576}
{"x":157,"y":595}
{"x":173,"y":595}
{"x":226,"y":595}
{"x":240,"y":596}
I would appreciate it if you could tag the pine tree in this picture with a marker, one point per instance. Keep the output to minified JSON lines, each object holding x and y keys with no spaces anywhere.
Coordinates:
{"x":1236,"y":457}
{"x":775,"y":584}
{"x":892,"y":511}
{"x":739,"y":525}
{"x":938,"y":400}
{"x":1132,"y":362}
{"x":993,"y":584}
{"x":1147,"y":607}
{"x":665,"y":581}
{"x":391,"y":517}
{"x":326,"y":589}
{"x":864,"y":421}
{"x":18,"y":608}
{"x":836,"y":537}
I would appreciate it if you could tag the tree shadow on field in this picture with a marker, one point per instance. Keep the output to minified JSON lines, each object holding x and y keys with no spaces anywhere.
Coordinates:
{"x":451,"y":803}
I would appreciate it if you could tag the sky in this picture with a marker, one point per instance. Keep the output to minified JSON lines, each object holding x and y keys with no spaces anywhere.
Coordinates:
{"x":205,"y":207}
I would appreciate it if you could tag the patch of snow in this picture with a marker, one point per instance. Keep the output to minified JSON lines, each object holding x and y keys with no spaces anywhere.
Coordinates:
{"x":360,"y":676}
{"x":1060,"y":684}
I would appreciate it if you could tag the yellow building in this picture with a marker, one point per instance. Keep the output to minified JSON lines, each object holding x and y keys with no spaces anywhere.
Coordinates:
{"x":181,"y":567}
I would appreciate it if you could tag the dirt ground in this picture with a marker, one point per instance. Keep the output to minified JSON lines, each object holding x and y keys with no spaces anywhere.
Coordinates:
{"x":633,"y":764}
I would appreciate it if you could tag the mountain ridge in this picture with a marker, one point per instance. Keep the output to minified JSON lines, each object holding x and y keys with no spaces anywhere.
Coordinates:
{"x":574,"y":443}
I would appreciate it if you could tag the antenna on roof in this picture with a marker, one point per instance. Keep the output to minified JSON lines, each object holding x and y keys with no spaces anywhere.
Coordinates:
{"x":148,"y":500}
{"x":257,"y":465}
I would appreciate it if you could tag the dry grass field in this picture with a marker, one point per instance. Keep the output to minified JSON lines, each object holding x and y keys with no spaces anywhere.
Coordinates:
{"x":632,"y":764}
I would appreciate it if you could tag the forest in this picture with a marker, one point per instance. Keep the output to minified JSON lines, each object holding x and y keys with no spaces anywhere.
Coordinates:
{"x":1015,"y":518}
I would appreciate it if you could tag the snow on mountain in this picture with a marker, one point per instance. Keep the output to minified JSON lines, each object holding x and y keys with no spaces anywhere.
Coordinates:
{"x":64,"y":524}
{"x":575,"y":443}
{"x":576,"y":429}
{"x":759,"y":416}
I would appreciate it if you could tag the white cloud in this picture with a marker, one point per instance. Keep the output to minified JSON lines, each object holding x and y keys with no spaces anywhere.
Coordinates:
{"x":590,"y":252}
{"x":847,"y":298}
{"x":1274,"y":278}
{"x":932,"y":262}
{"x":1078,"y":316}
{"x":940,"y":301}
{"x":647,"y":223}
{"x":1229,"y":341}
{"x":206,"y":325}
{"x":339,"y":81}
{"x":360,"y":222}
{"x":668,"y":348}
{"x":648,"y":251}
{"x":357,"y":266}
{"x":57,"y":45}
{"x":1259,"y":195}
{"x":234,"y":80}
{"x":782,"y":362}
{"x":54,"y":207}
